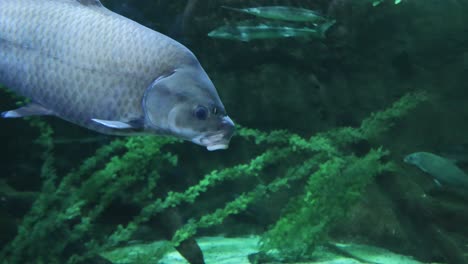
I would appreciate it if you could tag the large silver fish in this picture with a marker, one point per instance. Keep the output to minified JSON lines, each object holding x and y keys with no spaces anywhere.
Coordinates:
{"x":79,"y":61}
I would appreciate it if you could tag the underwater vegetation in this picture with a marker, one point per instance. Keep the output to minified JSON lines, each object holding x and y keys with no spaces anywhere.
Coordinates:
{"x":69,"y":209}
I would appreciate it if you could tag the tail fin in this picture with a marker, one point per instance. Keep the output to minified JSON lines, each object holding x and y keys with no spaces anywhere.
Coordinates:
{"x":234,"y":9}
{"x":322,"y":29}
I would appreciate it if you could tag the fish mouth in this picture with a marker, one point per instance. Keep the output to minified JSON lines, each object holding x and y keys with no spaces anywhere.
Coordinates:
{"x":221,"y":138}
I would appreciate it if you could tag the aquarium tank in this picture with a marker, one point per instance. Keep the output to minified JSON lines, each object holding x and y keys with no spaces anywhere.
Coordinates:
{"x":219,"y":132}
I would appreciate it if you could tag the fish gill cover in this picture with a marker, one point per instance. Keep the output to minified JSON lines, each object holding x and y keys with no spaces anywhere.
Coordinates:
{"x":317,"y":156}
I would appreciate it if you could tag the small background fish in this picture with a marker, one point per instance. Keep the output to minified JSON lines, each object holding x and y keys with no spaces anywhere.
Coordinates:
{"x":286,"y":13}
{"x":248,"y":30}
{"x":443,"y":170}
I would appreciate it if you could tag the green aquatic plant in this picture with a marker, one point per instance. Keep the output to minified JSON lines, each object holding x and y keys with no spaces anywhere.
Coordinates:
{"x":68,"y":209}
{"x":325,"y":173}
{"x":334,"y":186}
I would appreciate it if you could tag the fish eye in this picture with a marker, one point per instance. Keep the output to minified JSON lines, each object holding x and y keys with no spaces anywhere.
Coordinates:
{"x":409,"y":158}
{"x":201,"y":113}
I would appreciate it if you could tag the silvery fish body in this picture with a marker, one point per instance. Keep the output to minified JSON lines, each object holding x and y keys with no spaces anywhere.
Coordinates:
{"x":286,"y":13}
{"x":247,"y":31}
{"x":83,"y":63}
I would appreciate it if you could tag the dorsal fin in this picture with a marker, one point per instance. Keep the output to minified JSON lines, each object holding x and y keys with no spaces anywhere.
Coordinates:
{"x":90,"y":2}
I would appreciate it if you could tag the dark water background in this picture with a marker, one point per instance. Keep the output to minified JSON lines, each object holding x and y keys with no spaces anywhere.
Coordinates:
{"x":370,"y":58}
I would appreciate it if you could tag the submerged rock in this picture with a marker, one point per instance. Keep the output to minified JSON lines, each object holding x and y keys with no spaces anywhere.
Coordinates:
{"x":223,"y":250}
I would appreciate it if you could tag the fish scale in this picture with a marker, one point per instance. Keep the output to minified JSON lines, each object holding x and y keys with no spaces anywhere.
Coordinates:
{"x":69,"y":57}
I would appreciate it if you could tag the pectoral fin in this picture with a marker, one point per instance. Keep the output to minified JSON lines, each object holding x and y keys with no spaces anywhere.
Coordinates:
{"x":32,"y":109}
{"x":323,"y":29}
{"x":136,"y":124}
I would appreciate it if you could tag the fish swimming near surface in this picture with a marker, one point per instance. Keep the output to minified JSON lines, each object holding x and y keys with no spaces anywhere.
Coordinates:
{"x":378,"y":2}
{"x":282,"y":13}
{"x":444,"y":171}
{"x":79,"y":61}
{"x":245,"y":32}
